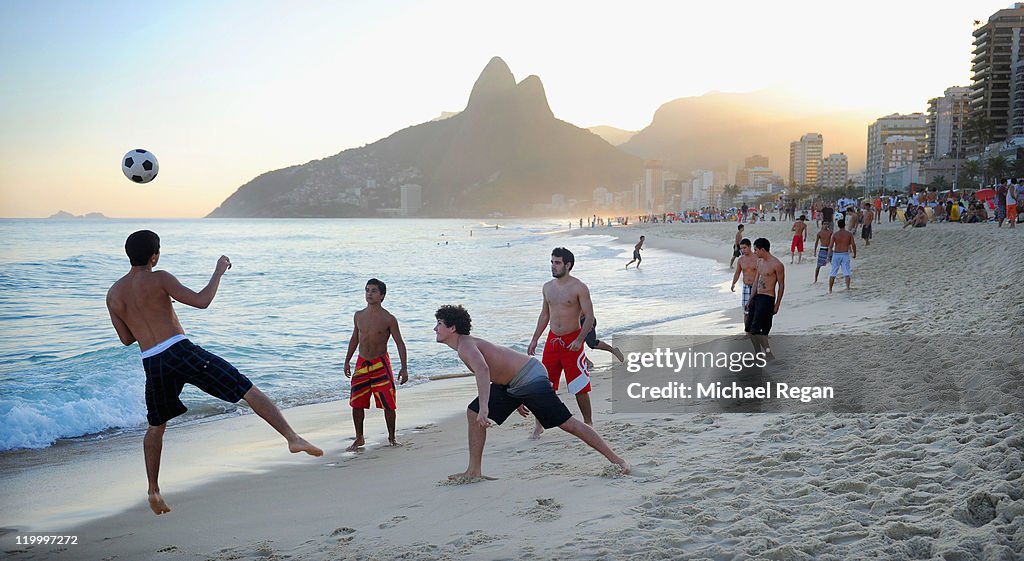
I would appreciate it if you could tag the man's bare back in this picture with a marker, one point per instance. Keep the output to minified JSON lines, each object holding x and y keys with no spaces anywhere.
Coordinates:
{"x":842,"y":241}
{"x":502,"y":362}
{"x":140,"y":304}
{"x":800,"y":228}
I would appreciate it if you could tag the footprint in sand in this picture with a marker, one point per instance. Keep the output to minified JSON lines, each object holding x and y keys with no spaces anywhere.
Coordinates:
{"x":396,"y":520}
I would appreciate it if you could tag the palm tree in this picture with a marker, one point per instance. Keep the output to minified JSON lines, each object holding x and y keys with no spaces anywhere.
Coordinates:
{"x":996,"y":167}
{"x":969,"y":173}
{"x":940,"y":183}
{"x":980,"y":129}
{"x":729,"y":193}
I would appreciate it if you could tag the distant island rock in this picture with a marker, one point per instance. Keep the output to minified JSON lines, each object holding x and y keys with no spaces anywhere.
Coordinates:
{"x":504,"y":153}
{"x":64,"y":215}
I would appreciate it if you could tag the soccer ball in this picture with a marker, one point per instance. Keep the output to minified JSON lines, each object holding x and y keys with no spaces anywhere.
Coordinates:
{"x":140,"y":165}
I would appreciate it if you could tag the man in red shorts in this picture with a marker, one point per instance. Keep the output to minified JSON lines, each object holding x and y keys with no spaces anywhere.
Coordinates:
{"x":373,"y":327}
{"x":799,"y":237}
{"x":566,"y":298}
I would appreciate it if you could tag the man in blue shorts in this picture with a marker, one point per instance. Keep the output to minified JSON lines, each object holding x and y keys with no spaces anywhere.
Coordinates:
{"x":507,"y":381}
{"x":140,"y":306}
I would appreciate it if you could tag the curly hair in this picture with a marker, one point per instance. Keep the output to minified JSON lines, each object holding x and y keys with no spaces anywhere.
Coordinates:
{"x":455,"y":316}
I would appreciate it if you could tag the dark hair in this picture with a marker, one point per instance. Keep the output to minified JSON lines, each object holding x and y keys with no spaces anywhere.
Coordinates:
{"x":740,"y":227}
{"x":762,"y":243}
{"x":455,"y":316}
{"x":140,"y":246}
{"x":383,"y":288}
{"x":745,"y":242}
{"x":567,"y":257}
{"x":841,"y":223}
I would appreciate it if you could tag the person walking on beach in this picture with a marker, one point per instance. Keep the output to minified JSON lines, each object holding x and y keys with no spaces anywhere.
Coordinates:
{"x":636,"y":253}
{"x":373,"y":326}
{"x":894,"y":205}
{"x":822,"y":241}
{"x":869,"y":219}
{"x":736,"y":245}
{"x":565,"y":300}
{"x":140,"y":307}
{"x":1013,"y":198}
{"x":507,"y":381}
{"x":747,"y":266}
{"x":843,"y":243}
{"x":769,"y":286}
{"x":799,"y":237}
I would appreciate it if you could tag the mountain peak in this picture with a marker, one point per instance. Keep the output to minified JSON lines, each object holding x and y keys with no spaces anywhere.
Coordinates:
{"x":495,"y":80}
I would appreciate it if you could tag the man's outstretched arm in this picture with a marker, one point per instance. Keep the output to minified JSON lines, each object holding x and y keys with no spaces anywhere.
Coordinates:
{"x":204,"y":297}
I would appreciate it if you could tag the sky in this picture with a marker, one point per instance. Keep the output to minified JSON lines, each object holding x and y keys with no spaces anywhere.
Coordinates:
{"x":222,"y":91}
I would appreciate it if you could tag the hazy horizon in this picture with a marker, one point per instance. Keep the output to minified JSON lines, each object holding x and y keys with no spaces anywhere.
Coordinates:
{"x":224,"y":91}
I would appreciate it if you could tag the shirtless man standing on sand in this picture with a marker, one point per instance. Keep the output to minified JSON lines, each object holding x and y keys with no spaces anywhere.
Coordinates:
{"x":566,"y":298}
{"x":842,"y":243}
{"x":821,"y":244}
{"x":507,"y":381}
{"x":869,"y":220}
{"x":140,"y":306}
{"x":373,"y":326}
{"x":747,"y":266}
{"x":767,"y":299}
{"x":799,"y":238}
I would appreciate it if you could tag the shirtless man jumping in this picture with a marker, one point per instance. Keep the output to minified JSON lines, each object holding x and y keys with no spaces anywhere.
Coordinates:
{"x":507,"y":381}
{"x":566,"y":298}
{"x":771,"y":273}
{"x":140,"y":306}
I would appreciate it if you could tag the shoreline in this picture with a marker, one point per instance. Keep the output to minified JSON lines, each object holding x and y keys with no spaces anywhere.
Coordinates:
{"x":780,"y":486}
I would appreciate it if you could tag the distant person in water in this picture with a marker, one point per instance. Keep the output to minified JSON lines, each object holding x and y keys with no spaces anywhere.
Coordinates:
{"x":140,"y":306}
{"x":507,"y":381}
{"x":373,"y":326}
{"x":636,"y":253}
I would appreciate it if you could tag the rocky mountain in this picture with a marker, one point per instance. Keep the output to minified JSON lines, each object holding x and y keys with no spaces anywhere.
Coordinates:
{"x":64,"y":215}
{"x":614,"y":136}
{"x":505,"y":152}
{"x":716,"y":129}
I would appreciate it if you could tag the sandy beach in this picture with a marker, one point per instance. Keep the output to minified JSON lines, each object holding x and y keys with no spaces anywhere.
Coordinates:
{"x":903,"y":480}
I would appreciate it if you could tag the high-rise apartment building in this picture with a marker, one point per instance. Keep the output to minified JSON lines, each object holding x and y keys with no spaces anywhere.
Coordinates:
{"x":947,"y":124}
{"x":755,"y":161}
{"x":834,"y":171}
{"x":411,"y":199}
{"x":914,"y":126}
{"x":804,"y":159}
{"x":997,"y":92}
{"x":654,"y":185}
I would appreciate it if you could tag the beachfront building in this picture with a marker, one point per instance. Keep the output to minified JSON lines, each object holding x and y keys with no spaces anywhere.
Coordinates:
{"x":411,"y":199}
{"x":654,"y":186}
{"x":804,"y":159}
{"x":913,"y":126}
{"x":702,"y":188}
{"x":833,"y":171}
{"x":997,"y":93}
{"x":947,"y":123}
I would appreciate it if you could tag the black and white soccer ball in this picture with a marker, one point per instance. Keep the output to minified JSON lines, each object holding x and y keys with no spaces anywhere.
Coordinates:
{"x":140,"y":165}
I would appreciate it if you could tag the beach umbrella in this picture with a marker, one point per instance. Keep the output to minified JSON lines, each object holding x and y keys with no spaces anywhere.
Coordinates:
{"x":985,"y":194}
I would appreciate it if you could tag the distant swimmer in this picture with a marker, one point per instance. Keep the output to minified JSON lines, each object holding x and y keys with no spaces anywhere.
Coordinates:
{"x":747,"y":266}
{"x":769,"y":286}
{"x":141,"y":308}
{"x":822,"y":242}
{"x":736,"y":245}
{"x":565,"y":300}
{"x":507,"y":381}
{"x":843,"y":243}
{"x":372,"y":327}
{"x":636,"y":253}
{"x":799,"y":237}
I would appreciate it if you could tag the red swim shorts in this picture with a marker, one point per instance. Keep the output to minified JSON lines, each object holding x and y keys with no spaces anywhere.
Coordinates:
{"x":558,"y":358}
{"x":373,"y":376}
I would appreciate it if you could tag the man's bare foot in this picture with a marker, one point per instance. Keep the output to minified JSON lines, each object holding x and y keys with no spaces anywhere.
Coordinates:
{"x":471,"y":477}
{"x":357,"y":444}
{"x":618,"y":354}
{"x":157,"y":504}
{"x":393,"y":441}
{"x":300,"y":445}
{"x":537,"y":431}
{"x":624,"y":466}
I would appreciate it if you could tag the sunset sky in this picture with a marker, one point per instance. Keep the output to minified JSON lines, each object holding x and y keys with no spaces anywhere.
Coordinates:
{"x":224,"y":91}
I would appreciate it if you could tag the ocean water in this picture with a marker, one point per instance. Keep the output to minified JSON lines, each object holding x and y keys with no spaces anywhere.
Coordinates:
{"x":283,"y":313}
